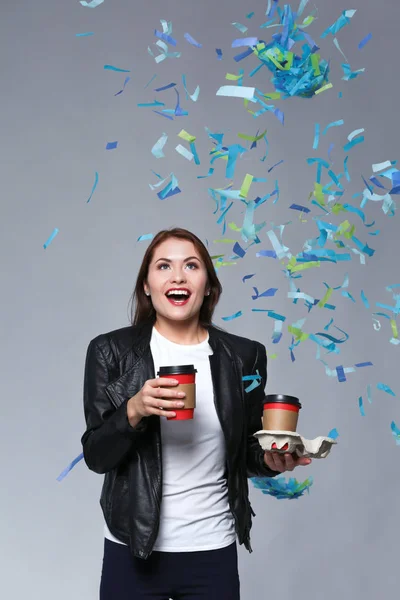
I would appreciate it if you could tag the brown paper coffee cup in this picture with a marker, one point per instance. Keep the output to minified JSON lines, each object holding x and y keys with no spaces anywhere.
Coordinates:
{"x":281,"y":412}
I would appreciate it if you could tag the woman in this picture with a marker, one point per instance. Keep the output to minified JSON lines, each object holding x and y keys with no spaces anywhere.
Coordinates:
{"x":175,"y":493}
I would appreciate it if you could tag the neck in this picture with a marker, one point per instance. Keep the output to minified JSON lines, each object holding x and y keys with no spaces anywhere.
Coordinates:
{"x":181,"y":332}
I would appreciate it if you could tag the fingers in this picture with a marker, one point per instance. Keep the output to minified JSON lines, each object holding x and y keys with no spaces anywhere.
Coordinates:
{"x":159,"y":400}
{"x":280,"y":462}
{"x":163,"y":382}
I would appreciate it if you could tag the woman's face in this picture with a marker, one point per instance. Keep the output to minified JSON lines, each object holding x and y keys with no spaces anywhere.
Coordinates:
{"x":176,"y":264}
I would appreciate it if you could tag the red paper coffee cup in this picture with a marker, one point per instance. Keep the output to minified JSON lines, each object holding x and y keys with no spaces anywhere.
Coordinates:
{"x":186,"y":377}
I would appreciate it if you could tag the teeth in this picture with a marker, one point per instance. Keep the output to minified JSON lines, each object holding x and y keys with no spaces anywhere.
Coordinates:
{"x":178,"y":293}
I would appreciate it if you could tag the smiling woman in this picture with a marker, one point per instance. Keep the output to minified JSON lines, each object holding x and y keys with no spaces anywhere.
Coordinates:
{"x":177,"y":263}
{"x":175,"y":493}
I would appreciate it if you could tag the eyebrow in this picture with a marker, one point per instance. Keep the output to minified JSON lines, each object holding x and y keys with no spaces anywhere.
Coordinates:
{"x":168,"y":260}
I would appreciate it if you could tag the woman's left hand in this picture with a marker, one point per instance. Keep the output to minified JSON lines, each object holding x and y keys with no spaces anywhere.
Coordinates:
{"x":283,"y":462}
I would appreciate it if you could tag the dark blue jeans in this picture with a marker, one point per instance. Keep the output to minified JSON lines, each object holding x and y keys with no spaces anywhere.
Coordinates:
{"x":202,"y":575}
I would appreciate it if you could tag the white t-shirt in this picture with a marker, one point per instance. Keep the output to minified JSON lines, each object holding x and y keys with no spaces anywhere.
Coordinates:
{"x":195,"y":513}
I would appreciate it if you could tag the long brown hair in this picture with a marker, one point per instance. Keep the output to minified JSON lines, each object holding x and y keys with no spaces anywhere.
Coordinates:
{"x":142,"y":310}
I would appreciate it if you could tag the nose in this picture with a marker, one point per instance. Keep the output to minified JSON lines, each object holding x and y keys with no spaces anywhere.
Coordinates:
{"x":178,"y":275}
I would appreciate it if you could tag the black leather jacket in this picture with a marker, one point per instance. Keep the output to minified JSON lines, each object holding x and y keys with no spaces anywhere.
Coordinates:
{"x":117,"y":365}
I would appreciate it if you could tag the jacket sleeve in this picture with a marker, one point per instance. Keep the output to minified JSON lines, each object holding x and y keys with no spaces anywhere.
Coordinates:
{"x":255,"y":398}
{"x":109,"y":436}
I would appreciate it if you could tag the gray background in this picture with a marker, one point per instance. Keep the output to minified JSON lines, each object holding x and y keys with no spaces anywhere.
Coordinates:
{"x":58,"y":113}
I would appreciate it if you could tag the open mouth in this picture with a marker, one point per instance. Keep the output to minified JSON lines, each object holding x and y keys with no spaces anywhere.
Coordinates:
{"x":178,"y":299}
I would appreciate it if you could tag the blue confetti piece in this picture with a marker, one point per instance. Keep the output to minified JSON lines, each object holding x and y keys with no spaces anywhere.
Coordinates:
{"x":237,"y":249}
{"x":357,"y":140}
{"x":125,"y":82}
{"x":281,"y":489}
{"x":271,"y":9}
{"x":333,"y":124}
{"x":86,"y":34}
{"x":165,"y":37}
{"x":316,"y":136}
{"x":163,"y":115}
{"x":249,"y":41}
{"x":96,"y":180}
{"x":219,"y":53}
{"x":235,"y":316}
{"x":364,"y":364}
{"x":145,"y":236}
{"x":247,"y":277}
{"x":395,"y":432}
{"x":369,"y":394}
{"x":333,"y":434}
{"x":364,"y":299}
{"x":243,"y":55}
{"x":70,"y":467}
{"x":165,"y":87}
{"x":111,"y":145}
{"x":51,"y":238}
{"x":270,"y":253}
{"x":365,"y":41}
{"x":192,"y":41}
{"x":276,"y":165}
{"x":171,"y":192}
{"x":270,"y":293}
{"x":151,"y":80}
{"x":340,"y":374}
{"x":299,"y":207}
{"x":91,"y":4}
{"x":112,"y":68}
{"x":385,"y":388}
{"x":361,"y":406}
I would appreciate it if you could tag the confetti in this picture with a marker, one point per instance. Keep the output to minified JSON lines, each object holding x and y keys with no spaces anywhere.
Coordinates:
{"x":91,"y":4}
{"x":385,"y":388}
{"x":234,"y":316}
{"x":145,"y":236}
{"x":267,"y":294}
{"x":192,"y":41}
{"x":333,"y":434}
{"x":51,"y":238}
{"x":183,"y":152}
{"x":117,"y":69}
{"x":349,"y":74}
{"x":165,"y":37}
{"x":219,"y":53}
{"x":250,"y":41}
{"x":195,"y":94}
{"x":157,"y":149}
{"x":341,"y":22}
{"x":70,"y":467}
{"x":365,"y":41}
{"x":281,"y":489}
{"x":125,"y":82}
{"x":241,"y":28}
{"x":86,"y":34}
{"x":395,"y":432}
{"x":333,"y":124}
{"x":236,"y":91}
{"x":111,"y":145}
{"x":96,"y":180}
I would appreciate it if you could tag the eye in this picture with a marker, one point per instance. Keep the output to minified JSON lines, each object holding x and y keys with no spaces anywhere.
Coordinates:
{"x":193,"y":264}
{"x":163,"y":265}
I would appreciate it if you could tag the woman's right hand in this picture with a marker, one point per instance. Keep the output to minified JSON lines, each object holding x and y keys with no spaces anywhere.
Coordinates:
{"x":155,"y":399}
